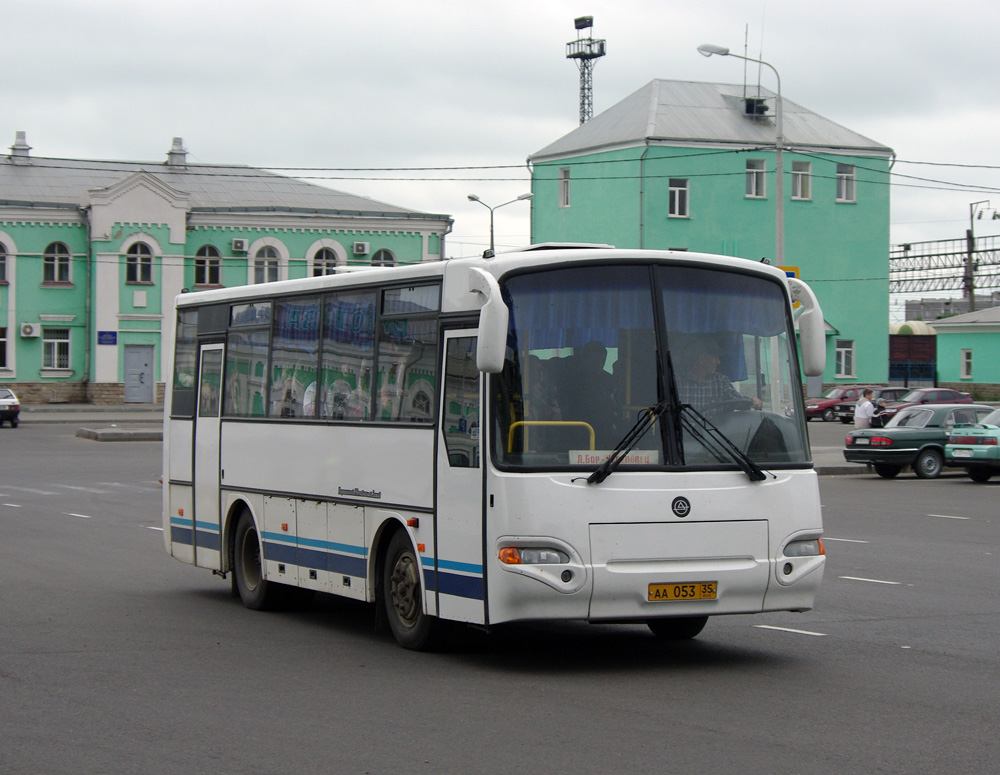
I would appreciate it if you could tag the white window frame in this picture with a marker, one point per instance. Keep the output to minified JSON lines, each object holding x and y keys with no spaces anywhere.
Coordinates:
{"x":3,"y":263}
{"x":679,"y":198}
{"x":266,"y":265}
{"x":384,"y":257}
{"x":56,"y":349}
{"x":756,"y":180}
{"x":564,"y":179}
{"x":208,"y":267}
{"x":847,"y":183}
{"x":325,"y":261}
{"x":965,"y":364}
{"x":3,"y":347}
{"x":802,"y":180}
{"x":844,"y":358}
{"x":139,"y":264}
{"x":57,"y":265}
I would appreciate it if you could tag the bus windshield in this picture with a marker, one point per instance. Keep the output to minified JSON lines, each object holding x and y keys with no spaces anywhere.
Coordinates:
{"x":591,"y":349}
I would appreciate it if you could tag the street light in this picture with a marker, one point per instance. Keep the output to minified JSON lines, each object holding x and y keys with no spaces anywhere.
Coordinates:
{"x":707,"y":49}
{"x":474,"y":198}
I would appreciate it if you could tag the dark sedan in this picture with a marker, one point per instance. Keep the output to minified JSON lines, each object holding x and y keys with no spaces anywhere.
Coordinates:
{"x":915,"y":437}
{"x":922,"y":396}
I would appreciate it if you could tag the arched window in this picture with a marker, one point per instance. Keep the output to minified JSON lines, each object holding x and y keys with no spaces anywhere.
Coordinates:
{"x":207,"y":266}
{"x":3,"y":263}
{"x":324,"y":262}
{"x":139,"y":263}
{"x":383,"y":257}
{"x":55,"y":267}
{"x":265,"y":265}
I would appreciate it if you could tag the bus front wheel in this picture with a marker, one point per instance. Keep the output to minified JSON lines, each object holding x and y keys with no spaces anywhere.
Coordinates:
{"x":256,"y":592}
{"x":403,"y":597}
{"x":677,"y":628}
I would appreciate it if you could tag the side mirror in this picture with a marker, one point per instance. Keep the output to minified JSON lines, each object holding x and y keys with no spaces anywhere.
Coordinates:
{"x":812,"y":330}
{"x":491,"y":349}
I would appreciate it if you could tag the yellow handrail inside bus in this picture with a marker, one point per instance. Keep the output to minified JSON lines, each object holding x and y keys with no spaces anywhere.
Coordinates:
{"x":515,"y":425}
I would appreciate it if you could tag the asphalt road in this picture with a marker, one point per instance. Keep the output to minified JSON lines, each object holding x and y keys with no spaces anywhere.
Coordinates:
{"x":115,"y":658}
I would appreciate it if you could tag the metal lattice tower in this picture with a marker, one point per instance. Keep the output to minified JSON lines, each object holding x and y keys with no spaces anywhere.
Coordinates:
{"x":945,"y":265}
{"x":586,"y":51}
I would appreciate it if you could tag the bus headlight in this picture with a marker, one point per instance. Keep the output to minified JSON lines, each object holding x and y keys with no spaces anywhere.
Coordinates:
{"x":525,"y":555}
{"x":809,"y":548}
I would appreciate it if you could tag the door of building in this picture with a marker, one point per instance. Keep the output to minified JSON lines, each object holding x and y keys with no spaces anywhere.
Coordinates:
{"x":139,"y":379}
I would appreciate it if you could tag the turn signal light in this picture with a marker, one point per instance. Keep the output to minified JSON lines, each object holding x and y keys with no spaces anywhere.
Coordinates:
{"x":510,"y":555}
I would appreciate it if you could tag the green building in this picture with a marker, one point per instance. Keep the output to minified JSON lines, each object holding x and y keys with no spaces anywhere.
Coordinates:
{"x":93,"y":253}
{"x":691,"y":166}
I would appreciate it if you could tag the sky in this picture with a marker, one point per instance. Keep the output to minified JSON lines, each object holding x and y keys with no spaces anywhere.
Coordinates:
{"x":335,"y":91}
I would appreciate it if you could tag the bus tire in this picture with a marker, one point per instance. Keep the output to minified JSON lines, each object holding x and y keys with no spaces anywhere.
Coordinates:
{"x":677,"y":628}
{"x":256,"y":592}
{"x":402,"y":595}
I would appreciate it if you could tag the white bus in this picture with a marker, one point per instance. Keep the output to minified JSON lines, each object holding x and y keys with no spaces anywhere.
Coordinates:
{"x":574,"y":433}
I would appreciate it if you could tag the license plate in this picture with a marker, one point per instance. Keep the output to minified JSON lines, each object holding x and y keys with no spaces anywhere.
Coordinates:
{"x":688,"y":590}
{"x":961,"y":453}
{"x":862,"y":442}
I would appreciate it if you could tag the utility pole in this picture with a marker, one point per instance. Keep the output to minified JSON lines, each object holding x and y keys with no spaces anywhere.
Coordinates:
{"x":586,"y":51}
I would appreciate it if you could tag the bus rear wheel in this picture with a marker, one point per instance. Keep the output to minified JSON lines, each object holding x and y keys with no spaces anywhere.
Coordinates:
{"x":402,"y":594}
{"x":677,"y":628}
{"x":256,"y":592}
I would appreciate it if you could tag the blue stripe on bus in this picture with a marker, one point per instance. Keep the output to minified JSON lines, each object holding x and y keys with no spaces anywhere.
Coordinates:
{"x":181,"y":522}
{"x":464,"y":567}
{"x":453,"y":584}
{"x":317,"y":560}
{"x":205,"y":540}
{"x":180,"y":535}
{"x":284,"y":538}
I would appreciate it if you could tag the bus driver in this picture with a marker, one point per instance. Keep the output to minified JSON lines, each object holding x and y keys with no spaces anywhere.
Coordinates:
{"x":698,"y":381}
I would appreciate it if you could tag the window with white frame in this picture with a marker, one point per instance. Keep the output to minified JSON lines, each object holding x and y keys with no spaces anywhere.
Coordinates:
{"x":55,"y":348}
{"x":325,"y":262}
{"x":564,"y":187}
{"x":55,"y":264}
{"x":801,"y":180}
{"x":846,"y":183}
{"x":678,"y":200}
{"x":139,"y":263}
{"x":755,"y":179}
{"x":383,"y":258}
{"x":208,"y":266}
{"x":845,"y":357}
{"x":3,"y":347}
{"x":966,"y":364}
{"x":265,"y":265}
{"x":3,"y":263}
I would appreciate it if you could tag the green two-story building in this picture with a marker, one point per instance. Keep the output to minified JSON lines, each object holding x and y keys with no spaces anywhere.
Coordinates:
{"x":92,"y":254}
{"x":691,"y":166}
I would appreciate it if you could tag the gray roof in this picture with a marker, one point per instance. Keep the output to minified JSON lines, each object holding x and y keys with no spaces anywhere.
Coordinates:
{"x":990,"y":315}
{"x":48,"y":182}
{"x":691,"y":112}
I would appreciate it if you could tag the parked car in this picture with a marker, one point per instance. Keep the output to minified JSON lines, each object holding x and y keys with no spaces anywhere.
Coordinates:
{"x":845,"y":409}
{"x":928,"y":396}
{"x":10,"y":407}
{"x":823,"y":407}
{"x":915,"y":436}
{"x":976,"y":448}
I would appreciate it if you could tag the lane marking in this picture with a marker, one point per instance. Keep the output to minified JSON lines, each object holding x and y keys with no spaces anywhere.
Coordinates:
{"x":947,"y":516}
{"x":871,"y":581}
{"x":83,"y":489}
{"x":789,"y":629}
{"x":845,"y":540}
{"x":148,"y":527}
{"x":14,"y":505}
{"x":34,"y":491}
{"x":81,"y":516}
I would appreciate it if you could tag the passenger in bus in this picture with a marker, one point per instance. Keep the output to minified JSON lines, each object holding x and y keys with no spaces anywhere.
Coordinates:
{"x":587,"y":393}
{"x":699,"y":383}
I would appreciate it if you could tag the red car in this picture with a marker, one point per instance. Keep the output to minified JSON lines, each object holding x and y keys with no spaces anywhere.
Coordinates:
{"x":927,"y":396}
{"x":823,"y":407}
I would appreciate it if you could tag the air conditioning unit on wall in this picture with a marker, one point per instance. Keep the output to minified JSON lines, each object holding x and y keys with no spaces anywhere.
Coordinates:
{"x":30,"y":330}
{"x":241,"y":245}
{"x":361,"y":248}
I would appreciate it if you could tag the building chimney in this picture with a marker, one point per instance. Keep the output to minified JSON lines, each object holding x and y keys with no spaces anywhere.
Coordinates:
{"x":177,"y":155}
{"x":19,"y":150}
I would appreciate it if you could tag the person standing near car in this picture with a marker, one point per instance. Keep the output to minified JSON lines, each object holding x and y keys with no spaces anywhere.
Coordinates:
{"x":864,"y":409}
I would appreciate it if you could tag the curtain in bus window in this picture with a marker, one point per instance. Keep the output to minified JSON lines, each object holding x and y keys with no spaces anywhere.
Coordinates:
{"x":347,"y":358}
{"x":294,"y":357}
{"x":246,"y":373}
{"x":407,"y":369}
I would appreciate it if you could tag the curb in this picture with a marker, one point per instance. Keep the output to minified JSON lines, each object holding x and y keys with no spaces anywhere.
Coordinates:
{"x":118,"y":434}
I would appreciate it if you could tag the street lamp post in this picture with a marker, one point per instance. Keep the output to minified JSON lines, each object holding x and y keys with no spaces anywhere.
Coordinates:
{"x":707,"y":49}
{"x":474,"y":198}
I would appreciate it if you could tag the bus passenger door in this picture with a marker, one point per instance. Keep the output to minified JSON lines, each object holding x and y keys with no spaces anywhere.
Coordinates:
{"x":207,"y":532}
{"x":457,"y":570}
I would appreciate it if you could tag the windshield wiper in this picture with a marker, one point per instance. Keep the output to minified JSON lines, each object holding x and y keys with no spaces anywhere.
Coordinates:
{"x":647,"y":418}
{"x":715,"y":441}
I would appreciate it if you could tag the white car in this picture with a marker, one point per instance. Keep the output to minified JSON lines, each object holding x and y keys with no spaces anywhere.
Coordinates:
{"x":10,"y":407}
